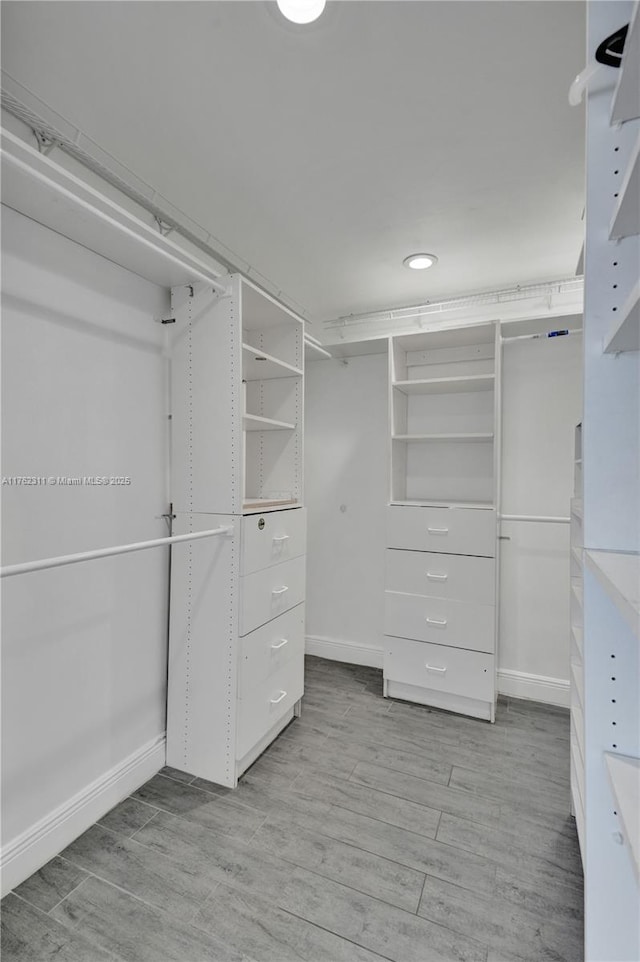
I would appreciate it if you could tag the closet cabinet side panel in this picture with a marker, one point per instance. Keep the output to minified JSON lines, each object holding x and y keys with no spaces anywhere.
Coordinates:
{"x":203,"y":652}
{"x":206,"y":403}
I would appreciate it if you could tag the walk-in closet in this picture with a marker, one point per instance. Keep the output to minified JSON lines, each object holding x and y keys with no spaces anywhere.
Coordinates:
{"x":320,"y":570}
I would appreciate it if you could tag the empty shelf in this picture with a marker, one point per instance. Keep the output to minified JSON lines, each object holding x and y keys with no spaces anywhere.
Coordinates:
{"x":258,"y":366}
{"x":434,"y":503}
{"x":624,"y":334}
{"x":626,"y":219}
{"x":624,"y":775}
{"x":447,"y":385}
{"x":619,"y":575}
{"x":264,"y":504}
{"x":626,"y":99}
{"x":442,"y":437}
{"x":252,"y":422}
{"x":313,"y":351}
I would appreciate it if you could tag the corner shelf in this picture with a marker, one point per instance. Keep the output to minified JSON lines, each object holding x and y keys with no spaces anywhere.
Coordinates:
{"x":626,"y":217}
{"x":253,"y":422}
{"x":447,"y":385}
{"x":624,"y":776}
{"x":624,"y":334}
{"x":259,"y":366}
{"x":619,"y":575}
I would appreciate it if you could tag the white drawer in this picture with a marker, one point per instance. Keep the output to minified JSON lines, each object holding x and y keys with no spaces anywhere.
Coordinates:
{"x":268,"y":593}
{"x":466,"y":673}
{"x":440,"y":621}
{"x":269,"y":539}
{"x":264,"y":651}
{"x":469,"y":531}
{"x":268,"y":702}
{"x":441,"y":575}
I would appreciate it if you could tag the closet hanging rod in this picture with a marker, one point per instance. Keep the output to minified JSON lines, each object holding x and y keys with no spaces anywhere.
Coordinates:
{"x":547,"y":519}
{"x":535,"y":337}
{"x":70,"y":559}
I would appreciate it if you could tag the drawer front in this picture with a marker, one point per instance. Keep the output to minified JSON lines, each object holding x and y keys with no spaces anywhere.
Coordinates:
{"x":268,"y":593}
{"x":466,"y":673}
{"x":269,"y":539}
{"x":264,"y":651}
{"x":266,"y":704}
{"x":440,"y":621}
{"x":441,"y":575}
{"x":469,"y":531}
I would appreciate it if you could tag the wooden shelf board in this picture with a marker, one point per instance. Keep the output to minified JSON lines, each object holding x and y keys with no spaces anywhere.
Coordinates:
{"x":443,"y":437}
{"x":313,"y":352}
{"x":626,"y":217}
{"x":624,"y":776}
{"x":626,"y":99}
{"x":252,"y":505}
{"x":433,"y":503}
{"x":619,"y":575}
{"x":447,"y":385}
{"x":265,"y":369}
{"x":624,"y":333}
{"x":253,"y":422}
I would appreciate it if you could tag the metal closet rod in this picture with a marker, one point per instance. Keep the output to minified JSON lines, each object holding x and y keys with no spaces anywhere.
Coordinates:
{"x":547,"y":519}
{"x":71,"y":559}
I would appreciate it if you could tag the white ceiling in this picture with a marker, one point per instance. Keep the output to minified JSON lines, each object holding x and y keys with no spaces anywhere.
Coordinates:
{"x":323,"y":155}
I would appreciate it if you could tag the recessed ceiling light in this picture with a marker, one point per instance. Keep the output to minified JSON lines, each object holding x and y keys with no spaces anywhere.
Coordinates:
{"x":420,"y":262}
{"x":301,"y":11}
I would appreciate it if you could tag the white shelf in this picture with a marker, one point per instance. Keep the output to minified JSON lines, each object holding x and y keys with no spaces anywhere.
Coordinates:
{"x":626,"y":100}
{"x":36,"y":186}
{"x":626,"y":218}
{"x":619,"y":575}
{"x":624,"y":775}
{"x":443,"y":437}
{"x":313,"y":351}
{"x":434,"y":503}
{"x":252,"y":422}
{"x":258,"y":505}
{"x":259,"y":366}
{"x":447,"y":385}
{"x":624,"y":334}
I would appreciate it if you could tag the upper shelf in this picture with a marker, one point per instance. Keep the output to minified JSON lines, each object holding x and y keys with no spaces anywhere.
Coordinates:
{"x":619,"y":575}
{"x":624,"y":775}
{"x":313,"y":351}
{"x":254,"y":422}
{"x":259,"y":366}
{"x":626,"y":217}
{"x":624,"y":333}
{"x":626,"y":99}
{"x":447,"y":385}
{"x":36,"y":186}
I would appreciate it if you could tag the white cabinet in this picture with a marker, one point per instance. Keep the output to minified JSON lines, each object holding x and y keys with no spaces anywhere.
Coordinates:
{"x":236,"y":659}
{"x":444,"y":448}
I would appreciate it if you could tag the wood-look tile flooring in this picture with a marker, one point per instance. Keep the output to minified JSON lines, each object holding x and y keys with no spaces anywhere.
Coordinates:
{"x":369,"y":830}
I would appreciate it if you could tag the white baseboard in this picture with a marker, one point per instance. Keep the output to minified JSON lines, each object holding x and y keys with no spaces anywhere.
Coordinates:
{"x":31,"y":850}
{"x":520,"y":684}
{"x":349,"y":652}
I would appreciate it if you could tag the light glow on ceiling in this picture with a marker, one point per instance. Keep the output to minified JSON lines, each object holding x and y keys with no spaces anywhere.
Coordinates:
{"x":301,"y":11}
{"x":420,"y":262}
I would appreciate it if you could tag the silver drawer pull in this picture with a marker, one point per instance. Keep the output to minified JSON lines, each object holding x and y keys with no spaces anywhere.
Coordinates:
{"x":279,"y":591}
{"x":283,"y":642}
{"x":435,"y":668}
{"x":436,"y":576}
{"x":436,"y":621}
{"x":275,"y":701}
{"x":280,"y":537}
{"x":438,"y":530}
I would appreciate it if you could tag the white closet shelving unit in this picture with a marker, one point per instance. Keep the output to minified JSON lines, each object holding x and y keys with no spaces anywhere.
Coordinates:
{"x":577,"y":644}
{"x":237,"y":608}
{"x":611,"y":506}
{"x":440,"y":599}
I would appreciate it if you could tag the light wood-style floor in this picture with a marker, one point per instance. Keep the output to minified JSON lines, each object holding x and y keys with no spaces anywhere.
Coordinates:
{"x":370,"y":829}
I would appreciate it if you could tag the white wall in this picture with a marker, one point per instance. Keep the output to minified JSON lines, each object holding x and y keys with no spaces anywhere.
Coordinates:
{"x":346,"y":494}
{"x":84,"y":647}
{"x":346,"y":464}
{"x":541,"y":404}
